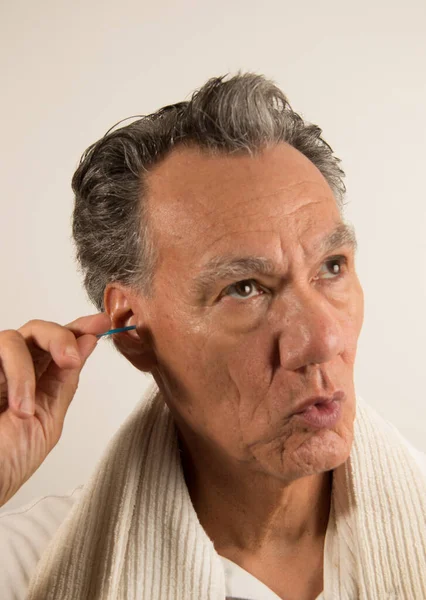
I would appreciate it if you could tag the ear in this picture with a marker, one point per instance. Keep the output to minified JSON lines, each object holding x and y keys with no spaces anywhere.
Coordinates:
{"x":125,"y":307}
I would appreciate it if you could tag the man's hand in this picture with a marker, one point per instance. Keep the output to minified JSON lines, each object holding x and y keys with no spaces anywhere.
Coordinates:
{"x":40,"y":365}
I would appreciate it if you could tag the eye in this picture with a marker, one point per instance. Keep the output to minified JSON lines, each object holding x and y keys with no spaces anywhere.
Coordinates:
{"x":243,"y":289}
{"x":333,"y":261}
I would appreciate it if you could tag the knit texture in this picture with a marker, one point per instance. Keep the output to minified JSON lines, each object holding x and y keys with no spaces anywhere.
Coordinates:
{"x":134,"y":534}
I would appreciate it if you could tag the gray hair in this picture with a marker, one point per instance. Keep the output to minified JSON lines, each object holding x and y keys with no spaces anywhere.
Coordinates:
{"x":243,"y":114}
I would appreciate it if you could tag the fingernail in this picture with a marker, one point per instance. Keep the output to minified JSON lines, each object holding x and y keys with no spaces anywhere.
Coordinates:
{"x":26,"y":406}
{"x":72,"y":353}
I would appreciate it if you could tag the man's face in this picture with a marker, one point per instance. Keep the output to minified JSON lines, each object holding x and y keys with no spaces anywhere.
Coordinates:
{"x":237,"y":353}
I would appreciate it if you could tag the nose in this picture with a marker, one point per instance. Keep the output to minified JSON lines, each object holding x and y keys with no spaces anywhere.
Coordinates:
{"x":311,"y":332}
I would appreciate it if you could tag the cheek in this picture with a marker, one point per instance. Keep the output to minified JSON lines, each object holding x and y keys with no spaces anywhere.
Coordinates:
{"x":194,"y":370}
{"x":251,"y":369}
{"x":352,"y":325}
{"x":250,"y":363}
{"x":360,"y":308}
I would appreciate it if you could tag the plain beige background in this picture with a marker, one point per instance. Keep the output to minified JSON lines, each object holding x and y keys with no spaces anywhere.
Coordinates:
{"x":70,"y":70}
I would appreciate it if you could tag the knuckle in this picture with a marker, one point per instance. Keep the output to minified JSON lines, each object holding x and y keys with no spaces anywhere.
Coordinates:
{"x":10,"y":335}
{"x":38,"y":324}
{"x":35,"y":323}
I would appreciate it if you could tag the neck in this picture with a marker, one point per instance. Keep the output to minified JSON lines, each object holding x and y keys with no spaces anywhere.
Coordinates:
{"x":254,"y":513}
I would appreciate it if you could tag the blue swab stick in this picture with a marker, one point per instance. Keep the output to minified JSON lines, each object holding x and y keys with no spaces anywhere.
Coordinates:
{"x":119,"y":330}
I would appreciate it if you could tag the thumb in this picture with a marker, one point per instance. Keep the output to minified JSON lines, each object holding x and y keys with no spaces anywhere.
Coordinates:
{"x":86,"y":344}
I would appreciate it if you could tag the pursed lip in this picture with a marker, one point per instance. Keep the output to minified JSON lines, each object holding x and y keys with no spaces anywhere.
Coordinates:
{"x":338,"y":396}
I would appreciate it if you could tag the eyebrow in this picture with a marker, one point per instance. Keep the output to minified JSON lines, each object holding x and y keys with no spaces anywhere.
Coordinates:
{"x":227,"y":267}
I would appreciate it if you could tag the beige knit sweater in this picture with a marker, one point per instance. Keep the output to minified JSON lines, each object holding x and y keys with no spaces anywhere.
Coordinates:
{"x":134,"y":534}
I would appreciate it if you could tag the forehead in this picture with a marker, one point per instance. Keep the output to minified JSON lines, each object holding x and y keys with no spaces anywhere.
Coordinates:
{"x":196,"y":199}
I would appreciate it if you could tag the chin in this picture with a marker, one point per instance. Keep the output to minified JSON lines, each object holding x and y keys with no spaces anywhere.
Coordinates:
{"x":324,"y":451}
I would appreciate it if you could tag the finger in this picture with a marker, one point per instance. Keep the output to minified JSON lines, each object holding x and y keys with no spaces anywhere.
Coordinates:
{"x":86,"y":345}
{"x":58,"y":386}
{"x":60,"y":340}
{"x":18,"y":369}
{"x":92,"y":324}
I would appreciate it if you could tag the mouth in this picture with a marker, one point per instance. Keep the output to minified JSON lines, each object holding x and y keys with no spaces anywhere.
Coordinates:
{"x":323,"y":415}
{"x":338,"y":396}
{"x":321,"y":411}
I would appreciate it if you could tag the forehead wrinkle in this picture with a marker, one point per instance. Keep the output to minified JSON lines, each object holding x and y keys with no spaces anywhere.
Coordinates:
{"x":259,"y":196}
{"x":228,"y":266}
{"x":225,"y":211}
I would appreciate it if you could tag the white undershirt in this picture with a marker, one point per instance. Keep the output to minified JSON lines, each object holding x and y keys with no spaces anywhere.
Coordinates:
{"x":242,"y":584}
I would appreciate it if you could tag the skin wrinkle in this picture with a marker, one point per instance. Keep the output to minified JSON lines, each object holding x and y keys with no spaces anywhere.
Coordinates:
{"x":238,"y":415}
{"x":237,"y":216}
{"x":232,"y":371}
{"x":229,"y":233}
{"x":256,"y":407}
{"x":194,"y":198}
{"x":249,"y":200}
{"x":204,"y":282}
{"x":285,"y":188}
{"x":275,"y":358}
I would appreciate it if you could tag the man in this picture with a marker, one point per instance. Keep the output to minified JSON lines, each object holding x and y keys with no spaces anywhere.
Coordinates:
{"x":253,"y":470}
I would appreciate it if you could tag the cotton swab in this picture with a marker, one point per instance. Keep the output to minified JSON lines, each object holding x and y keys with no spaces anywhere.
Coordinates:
{"x":119,"y":330}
